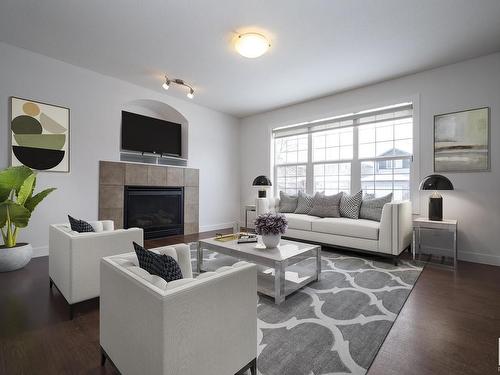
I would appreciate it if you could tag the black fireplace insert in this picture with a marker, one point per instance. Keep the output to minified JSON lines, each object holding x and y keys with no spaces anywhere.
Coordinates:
{"x":157,"y":210}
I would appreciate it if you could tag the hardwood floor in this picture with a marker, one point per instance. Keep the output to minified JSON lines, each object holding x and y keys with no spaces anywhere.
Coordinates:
{"x":450,"y":324}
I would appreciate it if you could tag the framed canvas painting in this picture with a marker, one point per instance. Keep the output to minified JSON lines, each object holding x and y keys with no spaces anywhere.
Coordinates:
{"x":40,"y":135}
{"x":462,"y":141}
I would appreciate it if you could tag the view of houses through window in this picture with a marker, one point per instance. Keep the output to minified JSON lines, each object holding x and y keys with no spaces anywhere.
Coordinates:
{"x":370,"y":150}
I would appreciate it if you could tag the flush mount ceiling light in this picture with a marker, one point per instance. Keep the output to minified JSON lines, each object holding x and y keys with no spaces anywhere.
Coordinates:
{"x":252,"y":45}
{"x":168,"y":81}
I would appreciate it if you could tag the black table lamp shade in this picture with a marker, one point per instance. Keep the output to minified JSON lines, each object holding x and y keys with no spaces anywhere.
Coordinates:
{"x":264,"y":182}
{"x":436,"y":182}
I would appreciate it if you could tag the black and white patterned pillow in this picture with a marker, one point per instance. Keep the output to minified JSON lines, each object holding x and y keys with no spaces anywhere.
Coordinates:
{"x":371,"y":207}
{"x":80,"y":226}
{"x":163,"y":265}
{"x":304,"y":203}
{"x":288,"y":203}
{"x":350,"y":205}
{"x":326,"y":205}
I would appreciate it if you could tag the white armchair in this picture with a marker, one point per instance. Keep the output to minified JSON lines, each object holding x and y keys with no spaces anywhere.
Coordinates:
{"x":74,"y":257}
{"x":204,"y":325}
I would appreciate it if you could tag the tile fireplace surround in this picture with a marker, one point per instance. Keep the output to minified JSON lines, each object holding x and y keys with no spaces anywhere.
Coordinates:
{"x":114,"y":176}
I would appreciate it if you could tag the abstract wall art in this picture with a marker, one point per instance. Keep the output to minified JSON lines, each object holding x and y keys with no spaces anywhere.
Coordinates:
{"x":40,"y":135}
{"x":461,"y":141}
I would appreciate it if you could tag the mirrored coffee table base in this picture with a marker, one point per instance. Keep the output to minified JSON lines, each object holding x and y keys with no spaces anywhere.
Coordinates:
{"x":275,"y":279}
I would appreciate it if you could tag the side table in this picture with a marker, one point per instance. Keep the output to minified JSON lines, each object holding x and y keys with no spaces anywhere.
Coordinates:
{"x":426,"y":224}
{"x":249,"y":208}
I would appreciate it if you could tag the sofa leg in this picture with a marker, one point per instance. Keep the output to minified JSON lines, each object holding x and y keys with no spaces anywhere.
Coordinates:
{"x":71,"y":312}
{"x":103,"y":357}
{"x":396,"y":260}
{"x":51,"y":283}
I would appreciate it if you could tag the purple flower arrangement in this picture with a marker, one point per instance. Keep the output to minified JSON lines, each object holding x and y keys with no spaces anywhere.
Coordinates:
{"x":271,"y":224}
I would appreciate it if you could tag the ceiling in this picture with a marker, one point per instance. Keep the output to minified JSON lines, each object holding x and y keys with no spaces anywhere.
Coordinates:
{"x":319,"y":47}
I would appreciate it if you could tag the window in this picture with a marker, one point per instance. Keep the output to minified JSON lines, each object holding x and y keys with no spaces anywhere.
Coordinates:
{"x":370,"y":150}
{"x":332,"y":178}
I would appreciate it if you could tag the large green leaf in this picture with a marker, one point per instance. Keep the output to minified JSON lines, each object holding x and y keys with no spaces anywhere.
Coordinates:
{"x":26,"y":189}
{"x":12,"y":179}
{"x":19,"y":215}
{"x":33,"y":201}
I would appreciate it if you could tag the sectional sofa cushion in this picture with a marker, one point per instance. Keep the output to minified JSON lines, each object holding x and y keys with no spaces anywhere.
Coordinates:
{"x":367,"y":229}
{"x":163,"y":265}
{"x":80,"y":226}
{"x":371,"y":207}
{"x":326,"y":205}
{"x":304,"y":203}
{"x":288,"y":203}
{"x":300,"y":221}
{"x":350,"y":205}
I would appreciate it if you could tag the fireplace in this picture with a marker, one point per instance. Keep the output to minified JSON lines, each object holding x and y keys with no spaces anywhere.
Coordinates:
{"x":157,"y":210}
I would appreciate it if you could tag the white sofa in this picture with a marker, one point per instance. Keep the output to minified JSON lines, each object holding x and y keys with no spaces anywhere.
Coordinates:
{"x":74,"y":257}
{"x":389,"y":237}
{"x":204,"y":325}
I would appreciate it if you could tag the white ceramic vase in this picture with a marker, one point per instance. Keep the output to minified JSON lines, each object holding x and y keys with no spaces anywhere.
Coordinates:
{"x":271,"y":240}
{"x":13,"y":258}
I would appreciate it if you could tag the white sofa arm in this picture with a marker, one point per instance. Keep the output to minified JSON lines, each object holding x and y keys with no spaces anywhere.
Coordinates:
{"x":395,"y":227}
{"x":59,"y":258}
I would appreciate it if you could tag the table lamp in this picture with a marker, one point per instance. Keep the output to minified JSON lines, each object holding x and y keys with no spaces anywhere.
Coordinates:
{"x":262,"y":182}
{"x":436,"y":182}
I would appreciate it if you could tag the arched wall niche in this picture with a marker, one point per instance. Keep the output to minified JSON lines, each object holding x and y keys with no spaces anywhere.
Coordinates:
{"x":163,"y":111}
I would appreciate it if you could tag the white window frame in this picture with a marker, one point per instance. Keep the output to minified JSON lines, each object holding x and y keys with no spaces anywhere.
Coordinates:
{"x":355,"y":178}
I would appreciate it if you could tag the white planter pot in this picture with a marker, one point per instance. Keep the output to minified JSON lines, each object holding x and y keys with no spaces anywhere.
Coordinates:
{"x":13,"y":258}
{"x":271,"y":240}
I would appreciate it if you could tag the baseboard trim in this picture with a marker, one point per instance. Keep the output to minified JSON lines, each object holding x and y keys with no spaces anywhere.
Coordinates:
{"x":468,"y":256}
{"x":41,"y":251}
{"x":208,"y":228}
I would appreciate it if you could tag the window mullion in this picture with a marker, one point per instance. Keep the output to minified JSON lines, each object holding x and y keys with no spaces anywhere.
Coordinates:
{"x":309,"y":165}
{"x":355,"y":164}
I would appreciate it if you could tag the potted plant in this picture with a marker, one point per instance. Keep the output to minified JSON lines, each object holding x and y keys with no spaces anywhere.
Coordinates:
{"x":271,"y":226}
{"x":17,"y":202}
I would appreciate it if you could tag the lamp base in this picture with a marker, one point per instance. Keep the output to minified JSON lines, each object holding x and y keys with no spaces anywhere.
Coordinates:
{"x":436,"y":208}
{"x":262,"y":194}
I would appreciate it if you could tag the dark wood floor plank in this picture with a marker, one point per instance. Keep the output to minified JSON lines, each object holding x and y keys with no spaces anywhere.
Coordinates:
{"x":450,"y":324}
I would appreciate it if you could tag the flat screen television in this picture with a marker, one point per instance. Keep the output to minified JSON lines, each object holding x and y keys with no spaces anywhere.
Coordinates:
{"x":148,"y":134}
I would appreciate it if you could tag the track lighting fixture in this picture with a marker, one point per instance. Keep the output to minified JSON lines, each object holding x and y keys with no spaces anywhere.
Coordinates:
{"x":180,"y":82}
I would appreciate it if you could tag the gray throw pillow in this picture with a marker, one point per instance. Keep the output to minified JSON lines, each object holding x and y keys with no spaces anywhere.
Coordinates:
{"x":288,"y":203}
{"x":326,"y":205}
{"x":304,"y":203}
{"x":371,"y":207}
{"x":350,"y":205}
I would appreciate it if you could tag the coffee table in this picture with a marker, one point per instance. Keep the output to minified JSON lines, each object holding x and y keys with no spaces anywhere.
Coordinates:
{"x":277,"y":284}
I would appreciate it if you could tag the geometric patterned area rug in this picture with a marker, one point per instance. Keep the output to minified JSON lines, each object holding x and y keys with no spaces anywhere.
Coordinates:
{"x":335,"y":325}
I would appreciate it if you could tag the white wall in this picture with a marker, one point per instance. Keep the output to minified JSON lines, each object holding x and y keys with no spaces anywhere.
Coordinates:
{"x":95,"y":102}
{"x":473,"y":83}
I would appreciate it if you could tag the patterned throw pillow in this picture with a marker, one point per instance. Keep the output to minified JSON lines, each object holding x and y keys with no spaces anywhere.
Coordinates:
{"x":304,"y":203}
{"x":288,"y":203}
{"x":350,"y":205}
{"x":80,"y":226}
{"x":371,"y":207}
{"x":326,"y":205}
{"x":163,"y":266}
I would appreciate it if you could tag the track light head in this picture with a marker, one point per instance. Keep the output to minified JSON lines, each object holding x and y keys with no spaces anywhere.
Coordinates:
{"x":180,"y":82}
{"x":166,"y":84}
